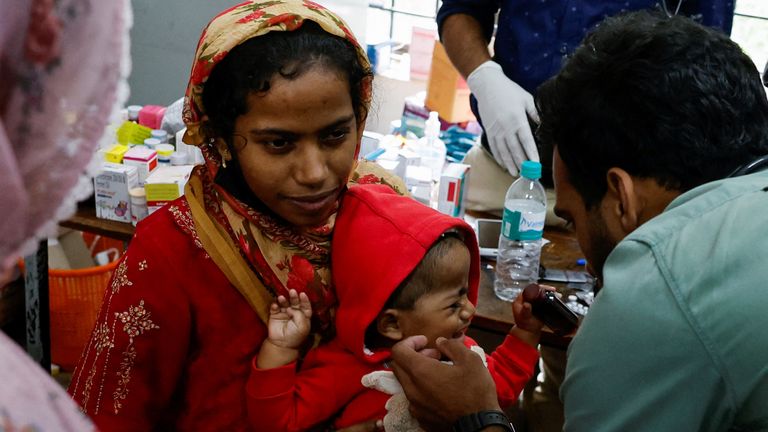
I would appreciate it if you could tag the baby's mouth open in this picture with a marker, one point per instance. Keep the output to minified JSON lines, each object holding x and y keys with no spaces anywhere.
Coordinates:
{"x":459,"y":334}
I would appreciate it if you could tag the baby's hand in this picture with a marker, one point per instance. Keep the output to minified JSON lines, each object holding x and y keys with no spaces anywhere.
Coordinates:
{"x":289,"y":322}
{"x":523,"y":312}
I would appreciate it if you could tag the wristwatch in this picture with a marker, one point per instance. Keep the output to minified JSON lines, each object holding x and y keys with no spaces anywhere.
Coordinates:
{"x":478,"y":421}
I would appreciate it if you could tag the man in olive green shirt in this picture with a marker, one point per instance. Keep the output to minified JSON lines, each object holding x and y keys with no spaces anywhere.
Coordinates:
{"x":657,"y":123}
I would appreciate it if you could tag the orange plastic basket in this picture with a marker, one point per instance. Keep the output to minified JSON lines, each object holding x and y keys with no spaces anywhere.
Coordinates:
{"x":75,"y":299}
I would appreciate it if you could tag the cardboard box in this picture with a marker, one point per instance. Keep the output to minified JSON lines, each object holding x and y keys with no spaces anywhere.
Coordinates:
{"x":420,"y":50}
{"x":447,"y":92}
{"x":111,"y":186}
{"x":68,"y":251}
{"x":453,"y":188}
{"x":144,"y":159}
{"x":166,"y":184}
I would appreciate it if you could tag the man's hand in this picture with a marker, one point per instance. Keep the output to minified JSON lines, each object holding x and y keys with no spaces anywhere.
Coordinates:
{"x":440,"y":393}
{"x":504,"y":110}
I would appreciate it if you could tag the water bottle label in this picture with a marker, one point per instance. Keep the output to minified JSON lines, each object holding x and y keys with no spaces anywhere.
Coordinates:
{"x":519,"y":226}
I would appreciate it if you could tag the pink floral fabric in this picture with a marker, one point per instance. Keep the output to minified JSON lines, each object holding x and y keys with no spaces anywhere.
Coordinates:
{"x":30,"y":401}
{"x":62,"y":73}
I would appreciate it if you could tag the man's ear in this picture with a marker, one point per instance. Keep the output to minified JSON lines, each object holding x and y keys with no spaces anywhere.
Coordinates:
{"x":623,"y":200}
{"x":388,"y":325}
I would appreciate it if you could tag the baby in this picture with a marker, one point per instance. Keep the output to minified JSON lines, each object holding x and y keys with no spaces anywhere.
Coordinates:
{"x":399,"y":269}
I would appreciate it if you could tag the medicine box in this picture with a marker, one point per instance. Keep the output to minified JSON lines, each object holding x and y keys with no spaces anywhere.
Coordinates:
{"x":151,"y":116}
{"x":418,"y":176}
{"x":447,"y":92}
{"x":144,"y":159}
{"x":115,"y":153}
{"x":131,"y":133}
{"x":453,"y":188}
{"x":166,"y":184}
{"x":111,"y":185}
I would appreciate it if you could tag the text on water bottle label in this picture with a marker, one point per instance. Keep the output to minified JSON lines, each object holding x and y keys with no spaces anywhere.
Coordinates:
{"x":522,"y":226}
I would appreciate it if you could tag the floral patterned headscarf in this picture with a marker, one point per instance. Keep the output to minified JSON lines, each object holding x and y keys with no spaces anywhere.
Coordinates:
{"x":260,"y":253}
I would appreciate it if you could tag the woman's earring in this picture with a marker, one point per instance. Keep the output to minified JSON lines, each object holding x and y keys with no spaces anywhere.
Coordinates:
{"x":223,"y":150}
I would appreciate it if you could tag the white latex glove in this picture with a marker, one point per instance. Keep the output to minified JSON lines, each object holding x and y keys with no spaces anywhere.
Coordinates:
{"x":504,"y":109}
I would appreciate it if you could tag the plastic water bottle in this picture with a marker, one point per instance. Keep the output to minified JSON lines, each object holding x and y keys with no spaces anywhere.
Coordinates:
{"x":525,"y":207}
{"x":431,"y":148}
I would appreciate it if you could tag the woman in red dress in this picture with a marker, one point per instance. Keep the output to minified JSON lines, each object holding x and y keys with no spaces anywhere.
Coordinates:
{"x":277,"y":100}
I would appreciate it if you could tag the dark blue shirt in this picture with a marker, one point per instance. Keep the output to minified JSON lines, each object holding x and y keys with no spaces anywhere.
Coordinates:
{"x":534,"y":36}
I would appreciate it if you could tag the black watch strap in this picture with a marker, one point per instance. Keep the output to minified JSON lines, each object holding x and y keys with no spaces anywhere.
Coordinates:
{"x":477,"y":421}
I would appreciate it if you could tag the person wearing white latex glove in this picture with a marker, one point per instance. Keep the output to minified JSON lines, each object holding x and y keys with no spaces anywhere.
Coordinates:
{"x":505,"y":108}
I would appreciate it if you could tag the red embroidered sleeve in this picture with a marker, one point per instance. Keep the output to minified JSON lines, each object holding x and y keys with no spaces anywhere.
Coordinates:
{"x":132,"y":363}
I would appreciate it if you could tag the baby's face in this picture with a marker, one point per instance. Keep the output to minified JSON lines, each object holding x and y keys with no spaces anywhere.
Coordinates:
{"x":445,"y":311}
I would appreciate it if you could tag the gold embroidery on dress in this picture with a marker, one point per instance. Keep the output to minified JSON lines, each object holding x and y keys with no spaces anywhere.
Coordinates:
{"x":183,"y":218}
{"x":103,"y":340}
{"x":121,"y":278}
{"x":102,"y":337}
{"x":136,"y":320}
{"x":121,"y":392}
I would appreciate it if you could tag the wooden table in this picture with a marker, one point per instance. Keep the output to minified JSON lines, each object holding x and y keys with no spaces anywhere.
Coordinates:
{"x":85,"y":220}
{"x":495,"y":315}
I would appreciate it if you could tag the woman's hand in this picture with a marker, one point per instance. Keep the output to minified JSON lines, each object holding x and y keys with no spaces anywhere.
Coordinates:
{"x":289,"y":320}
{"x":441,"y":393}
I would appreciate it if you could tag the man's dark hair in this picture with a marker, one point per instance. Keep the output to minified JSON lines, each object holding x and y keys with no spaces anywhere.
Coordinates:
{"x":662,"y":98}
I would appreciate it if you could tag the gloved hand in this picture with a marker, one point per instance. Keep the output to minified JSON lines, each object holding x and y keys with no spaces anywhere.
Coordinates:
{"x":504,"y":110}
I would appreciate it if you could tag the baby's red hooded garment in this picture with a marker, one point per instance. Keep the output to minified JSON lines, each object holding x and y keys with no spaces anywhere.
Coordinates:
{"x":379,"y":239}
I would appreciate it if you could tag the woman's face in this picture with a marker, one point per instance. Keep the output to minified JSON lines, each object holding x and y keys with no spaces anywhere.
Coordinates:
{"x":301,"y":140}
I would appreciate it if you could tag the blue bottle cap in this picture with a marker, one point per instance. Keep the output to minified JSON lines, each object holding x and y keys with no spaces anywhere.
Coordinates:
{"x":531,"y":170}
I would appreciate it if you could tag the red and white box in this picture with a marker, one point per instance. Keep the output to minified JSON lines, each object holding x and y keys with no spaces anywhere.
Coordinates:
{"x":453,"y":188}
{"x":144,"y":159}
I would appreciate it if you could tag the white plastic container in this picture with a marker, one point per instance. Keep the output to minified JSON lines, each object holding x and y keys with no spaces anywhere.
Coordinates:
{"x":431,"y":148}
{"x":138,"y":205}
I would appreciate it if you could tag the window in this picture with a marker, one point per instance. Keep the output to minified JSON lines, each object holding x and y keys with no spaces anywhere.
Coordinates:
{"x":393,"y":19}
{"x":750,"y":30}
